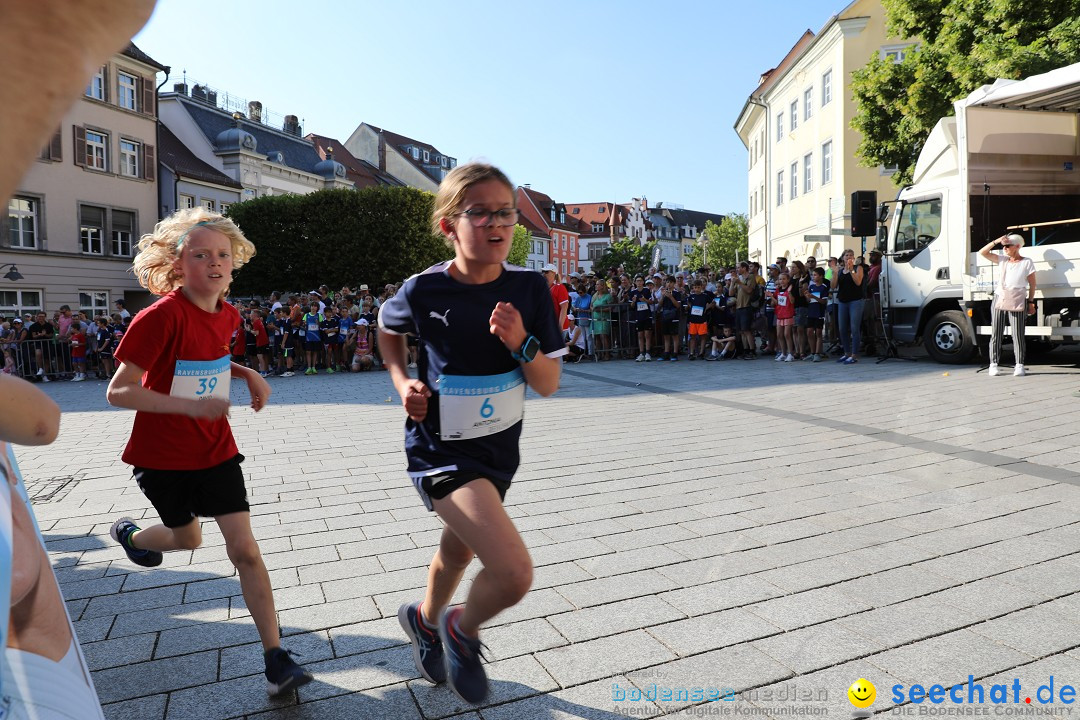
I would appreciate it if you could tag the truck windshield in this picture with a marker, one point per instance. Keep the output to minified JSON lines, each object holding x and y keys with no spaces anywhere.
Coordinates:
{"x":919,"y":225}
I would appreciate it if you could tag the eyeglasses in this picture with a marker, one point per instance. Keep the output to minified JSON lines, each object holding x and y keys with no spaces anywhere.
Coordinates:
{"x":483,"y":218}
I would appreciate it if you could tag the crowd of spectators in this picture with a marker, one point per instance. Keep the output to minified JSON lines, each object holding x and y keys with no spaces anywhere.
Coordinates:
{"x":790,"y":310}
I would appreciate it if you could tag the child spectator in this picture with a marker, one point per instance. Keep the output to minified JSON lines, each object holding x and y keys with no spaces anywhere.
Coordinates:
{"x":9,"y":362}
{"x":77,"y":338}
{"x":641,"y":301}
{"x":670,"y":302}
{"x":817,"y":297}
{"x":575,"y":340}
{"x":783,"y":302}
{"x":312,"y":337}
{"x":262,"y":342}
{"x":329,"y":329}
{"x":363,"y":358}
{"x":699,"y":302}
{"x":105,"y":345}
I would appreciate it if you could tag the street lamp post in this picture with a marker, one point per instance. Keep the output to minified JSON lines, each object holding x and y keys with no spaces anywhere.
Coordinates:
{"x":13,"y":274}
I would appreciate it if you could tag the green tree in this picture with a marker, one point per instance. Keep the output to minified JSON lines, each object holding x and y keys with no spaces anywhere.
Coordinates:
{"x":519,"y":248}
{"x":628,"y":254}
{"x":337,"y":237}
{"x":720,"y":244}
{"x":962,"y":44}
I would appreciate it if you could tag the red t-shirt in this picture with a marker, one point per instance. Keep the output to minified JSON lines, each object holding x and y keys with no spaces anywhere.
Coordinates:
{"x":785,"y":303}
{"x":78,"y":345}
{"x":559,"y":296}
{"x":257,"y":326}
{"x":173,"y":329}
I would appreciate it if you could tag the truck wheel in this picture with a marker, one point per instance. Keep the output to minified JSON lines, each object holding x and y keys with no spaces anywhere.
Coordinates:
{"x":948,"y":339}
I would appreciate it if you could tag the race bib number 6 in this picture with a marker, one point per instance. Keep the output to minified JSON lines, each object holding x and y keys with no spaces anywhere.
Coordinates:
{"x":472,"y":406}
{"x":201,"y":379}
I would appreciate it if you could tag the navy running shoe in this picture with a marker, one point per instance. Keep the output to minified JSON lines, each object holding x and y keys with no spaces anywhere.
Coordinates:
{"x":121,"y":532}
{"x":282,"y":674}
{"x":426,"y":646}
{"x":464,"y":671}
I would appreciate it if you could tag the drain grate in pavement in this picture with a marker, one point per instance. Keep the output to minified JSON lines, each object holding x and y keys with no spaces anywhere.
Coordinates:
{"x":50,"y":489}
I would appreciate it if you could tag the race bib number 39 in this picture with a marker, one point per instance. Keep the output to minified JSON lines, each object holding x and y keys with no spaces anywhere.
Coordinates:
{"x":201,"y":379}
{"x":472,"y":406}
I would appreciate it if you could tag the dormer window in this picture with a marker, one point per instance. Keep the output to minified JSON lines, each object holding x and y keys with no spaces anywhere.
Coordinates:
{"x":552,"y":213}
{"x":602,"y":209}
{"x":415,"y":153}
{"x":562,"y":215}
{"x":427,"y":156}
{"x":576,"y":210}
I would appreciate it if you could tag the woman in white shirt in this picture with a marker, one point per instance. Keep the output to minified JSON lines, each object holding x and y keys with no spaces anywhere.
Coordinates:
{"x":1017,"y":282}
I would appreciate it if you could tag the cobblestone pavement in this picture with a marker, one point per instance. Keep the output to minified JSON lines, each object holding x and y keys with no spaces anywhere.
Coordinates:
{"x":779,"y":530}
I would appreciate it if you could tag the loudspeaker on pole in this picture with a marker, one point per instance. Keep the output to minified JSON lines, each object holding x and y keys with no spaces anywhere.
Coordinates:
{"x":864,"y":213}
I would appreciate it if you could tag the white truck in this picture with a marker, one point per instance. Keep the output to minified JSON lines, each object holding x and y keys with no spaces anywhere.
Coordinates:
{"x":1009,"y":161}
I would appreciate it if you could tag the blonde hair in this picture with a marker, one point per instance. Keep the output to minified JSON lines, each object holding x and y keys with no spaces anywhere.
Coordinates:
{"x":456,"y":183}
{"x":153,"y":266}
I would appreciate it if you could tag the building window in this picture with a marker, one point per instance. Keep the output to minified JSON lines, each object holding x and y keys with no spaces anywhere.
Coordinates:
{"x":20,"y":302}
{"x":563,"y":267}
{"x":808,"y":172}
{"x":94,"y":303}
{"x":779,"y":126}
{"x":97,"y":150}
{"x":91,"y":229}
{"x":598,"y":227}
{"x":896,"y":53}
{"x":208,"y":204}
{"x":826,"y":162}
{"x":794,"y":180}
{"x":415,"y":153}
{"x":808,"y":103}
{"x":752,"y":202}
{"x":889,"y":169}
{"x":23,"y":222}
{"x":826,"y":88}
{"x":602,"y":209}
{"x":96,"y":88}
{"x":794,"y":115}
{"x":780,"y":188}
{"x":123,"y":229}
{"x":563,"y":245}
{"x":125,"y":90}
{"x":223,"y":208}
{"x":129,"y":158}
{"x":186,"y":202}
{"x":427,"y":156}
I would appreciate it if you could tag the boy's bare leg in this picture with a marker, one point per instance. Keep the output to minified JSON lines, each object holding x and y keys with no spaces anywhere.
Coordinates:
{"x":254,"y":580}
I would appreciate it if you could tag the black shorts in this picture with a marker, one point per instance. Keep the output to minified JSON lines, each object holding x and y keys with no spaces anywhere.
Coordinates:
{"x":744,"y":318}
{"x":180,"y":495}
{"x":670,"y":327}
{"x":312,"y":345}
{"x":815,"y":323}
{"x":438,"y":486}
{"x":645,"y":325}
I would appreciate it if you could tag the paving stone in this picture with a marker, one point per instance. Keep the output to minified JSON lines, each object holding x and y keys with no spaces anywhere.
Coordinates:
{"x":720,"y":595}
{"x":1034,"y":631}
{"x":738,"y":667}
{"x":591,"y":701}
{"x":614,"y":617}
{"x":173,"y":616}
{"x":908,"y":621}
{"x":948,"y":659}
{"x":807,"y":608}
{"x":893,"y":586}
{"x":988,"y":598}
{"x":618,"y":587}
{"x":240,"y":660}
{"x":327,"y":615}
{"x":146,"y":708}
{"x":594,"y":659}
{"x":121,"y":651}
{"x":360,"y":672}
{"x":508,"y":680}
{"x":711,"y":632}
{"x":150,"y":678}
{"x":521,"y":638}
{"x":816,"y":647}
{"x":628,"y":561}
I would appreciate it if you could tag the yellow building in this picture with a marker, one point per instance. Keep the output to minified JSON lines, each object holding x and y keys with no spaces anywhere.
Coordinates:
{"x":796,"y":127}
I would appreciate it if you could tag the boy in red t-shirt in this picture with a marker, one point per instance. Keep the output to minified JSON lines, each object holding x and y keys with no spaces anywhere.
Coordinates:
{"x":78,"y":350}
{"x":175,"y":371}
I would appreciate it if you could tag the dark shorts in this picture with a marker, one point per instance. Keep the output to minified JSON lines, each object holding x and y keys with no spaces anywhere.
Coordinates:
{"x":645,"y":325}
{"x":180,"y":495}
{"x":744,"y":318}
{"x":438,"y":486}
{"x":312,"y":345}
{"x":801,"y":316}
{"x":817,"y":323}
{"x":259,"y":350}
{"x":670,"y":327}
{"x":770,"y":318}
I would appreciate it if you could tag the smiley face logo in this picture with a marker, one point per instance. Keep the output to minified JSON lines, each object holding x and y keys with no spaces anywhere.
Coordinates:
{"x":862,"y":693}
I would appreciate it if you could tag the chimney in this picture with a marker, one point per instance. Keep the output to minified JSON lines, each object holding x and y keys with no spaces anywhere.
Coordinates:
{"x":255,"y":111}
{"x":382,"y":151}
{"x":180,"y":88}
{"x":292,"y":125}
{"x":198,"y":92}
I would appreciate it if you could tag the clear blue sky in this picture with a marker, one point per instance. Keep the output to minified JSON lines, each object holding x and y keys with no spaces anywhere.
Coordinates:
{"x":585,"y":100}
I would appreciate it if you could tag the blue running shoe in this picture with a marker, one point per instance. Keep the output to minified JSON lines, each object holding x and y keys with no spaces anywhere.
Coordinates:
{"x":427,"y":648}
{"x":464,"y":673}
{"x":121,"y":532}
{"x":282,"y":674}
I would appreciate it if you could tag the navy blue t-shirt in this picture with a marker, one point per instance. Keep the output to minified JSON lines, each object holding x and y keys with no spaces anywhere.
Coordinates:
{"x":816,"y":310}
{"x":698,"y":300}
{"x":452,"y":320}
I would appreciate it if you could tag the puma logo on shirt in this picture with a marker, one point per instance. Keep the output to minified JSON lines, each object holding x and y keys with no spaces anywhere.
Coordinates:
{"x":442,"y":317}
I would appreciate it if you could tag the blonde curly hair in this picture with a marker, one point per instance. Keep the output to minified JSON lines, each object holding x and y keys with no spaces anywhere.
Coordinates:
{"x":153,"y":266}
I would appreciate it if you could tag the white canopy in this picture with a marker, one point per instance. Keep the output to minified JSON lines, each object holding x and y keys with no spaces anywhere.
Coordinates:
{"x":1056,"y":90}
